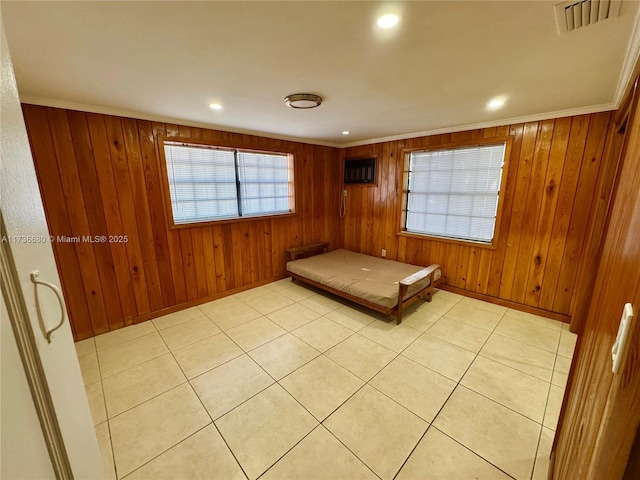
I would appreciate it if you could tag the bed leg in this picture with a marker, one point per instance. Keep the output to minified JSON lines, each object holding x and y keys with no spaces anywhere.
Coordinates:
{"x":398,"y":317}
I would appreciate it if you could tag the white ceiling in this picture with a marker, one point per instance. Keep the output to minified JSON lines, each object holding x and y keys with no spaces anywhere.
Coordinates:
{"x":434,"y":72}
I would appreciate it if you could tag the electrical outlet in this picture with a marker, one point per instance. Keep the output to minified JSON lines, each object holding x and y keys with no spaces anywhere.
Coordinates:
{"x":384,"y":253}
{"x":344,"y":193}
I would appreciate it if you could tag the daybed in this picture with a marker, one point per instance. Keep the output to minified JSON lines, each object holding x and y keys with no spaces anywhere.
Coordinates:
{"x":373,"y":282}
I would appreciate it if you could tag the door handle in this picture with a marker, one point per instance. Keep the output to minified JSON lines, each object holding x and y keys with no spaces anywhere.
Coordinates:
{"x":34,"y":278}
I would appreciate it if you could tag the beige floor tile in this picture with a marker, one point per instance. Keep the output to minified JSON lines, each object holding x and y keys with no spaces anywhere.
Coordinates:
{"x":459,"y":334}
{"x":188,"y":332}
{"x":376,"y":429}
{"x":361,"y":356}
{"x":293,"y":316}
{"x":212,"y":308}
{"x":206,"y":354}
{"x":454,"y":297}
{"x":264,"y":428}
{"x":96,"y":402}
{"x":104,"y":444}
{"x":254,"y":333}
{"x":254,"y":293}
{"x":415,"y":387}
{"x":565,"y":327}
{"x":524,"y":358}
{"x":129,"y":354}
{"x":561,"y":371}
{"x":439,"y":304}
{"x":131,"y":387}
{"x":351,"y":318}
{"x":419,"y":318}
{"x":176,"y":318}
{"x":122,"y":335}
{"x":89,"y":368}
{"x":505,"y":438}
{"x":144,"y":432}
{"x":567,"y":344}
{"x":480,"y":305}
{"x":534,"y":320}
{"x":321,"y":303}
{"x":513,"y":389}
{"x":486,"y":320}
{"x":319,"y":456}
{"x":389,"y":334}
{"x":283,"y":355}
{"x":233,"y":315}
{"x":554,"y":403}
{"x":321,"y":386}
{"x":269,"y":303}
{"x":228,"y":385}
{"x":296,"y":292}
{"x":440,"y":356}
{"x":439,"y":457}
{"x":85,"y":347}
{"x":541,"y":468}
{"x":202,"y":456}
{"x":538,"y":336}
{"x":322,"y":333}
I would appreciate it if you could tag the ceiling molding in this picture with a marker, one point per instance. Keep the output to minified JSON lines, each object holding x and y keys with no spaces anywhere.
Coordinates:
{"x":48,"y":102}
{"x":631,"y":58}
{"x":494,"y":123}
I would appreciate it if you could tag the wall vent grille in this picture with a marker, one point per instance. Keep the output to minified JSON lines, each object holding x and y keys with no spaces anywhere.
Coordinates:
{"x":574,"y":15}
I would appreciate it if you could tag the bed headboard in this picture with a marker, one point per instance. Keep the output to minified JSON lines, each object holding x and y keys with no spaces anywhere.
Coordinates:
{"x":295,"y":253}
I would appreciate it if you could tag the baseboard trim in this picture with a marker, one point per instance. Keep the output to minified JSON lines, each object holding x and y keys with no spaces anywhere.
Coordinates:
{"x":507,"y":303}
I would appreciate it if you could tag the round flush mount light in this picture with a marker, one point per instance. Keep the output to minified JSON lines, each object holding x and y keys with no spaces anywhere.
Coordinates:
{"x":215,"y":106}
{"x":346,"y":132}
{"x":303,"y":100}
{"x":389,"y":20}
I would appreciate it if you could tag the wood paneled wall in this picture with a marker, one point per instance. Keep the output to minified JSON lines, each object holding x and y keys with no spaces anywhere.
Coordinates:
{"x":600,"y":416}
{"x":553,"y":174}
{"x":99,"y":175}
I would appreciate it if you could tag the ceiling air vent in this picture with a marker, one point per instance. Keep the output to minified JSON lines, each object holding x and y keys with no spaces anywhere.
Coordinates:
{"x":573,"y":15}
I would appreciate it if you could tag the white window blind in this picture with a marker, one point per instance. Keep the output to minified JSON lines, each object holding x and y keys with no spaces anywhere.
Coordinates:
{"x":264,"y":183}
{"x":208,"y":183}
{"x":454,"y":193}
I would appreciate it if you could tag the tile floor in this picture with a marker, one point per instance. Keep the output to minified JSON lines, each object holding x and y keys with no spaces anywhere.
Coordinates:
{"x":281,"y":382}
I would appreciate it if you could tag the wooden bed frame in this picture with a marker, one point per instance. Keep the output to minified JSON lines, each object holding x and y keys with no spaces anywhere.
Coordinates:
{"x":305,"y":251}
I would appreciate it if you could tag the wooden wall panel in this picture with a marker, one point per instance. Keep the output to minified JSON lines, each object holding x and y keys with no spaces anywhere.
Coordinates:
{"x":553,"y":171}
{"x":100,"y":175}
{"x":600,"y":416}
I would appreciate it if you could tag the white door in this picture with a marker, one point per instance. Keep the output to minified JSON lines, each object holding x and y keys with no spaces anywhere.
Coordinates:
{"x":51,"y":368}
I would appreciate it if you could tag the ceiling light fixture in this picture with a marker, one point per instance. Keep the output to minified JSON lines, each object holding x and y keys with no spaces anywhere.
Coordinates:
{"x":388,"y":21}
{"x":215,"y":106}
{"x":346,"y":132}
{"x":303,"y":100}
{"x":496,"y":103}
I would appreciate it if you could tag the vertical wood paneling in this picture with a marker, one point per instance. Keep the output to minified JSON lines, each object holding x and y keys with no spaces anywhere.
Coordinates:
{"x":100,"y":175}
{"x":553,"y":172}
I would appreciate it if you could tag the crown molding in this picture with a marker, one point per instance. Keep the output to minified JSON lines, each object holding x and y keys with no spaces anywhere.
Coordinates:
{"x":117,"y":112}
{"x":494,"y":123}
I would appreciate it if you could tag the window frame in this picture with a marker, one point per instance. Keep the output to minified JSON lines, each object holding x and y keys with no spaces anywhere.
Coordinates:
{"x":404,"y":190}
{"x":166,"y":193}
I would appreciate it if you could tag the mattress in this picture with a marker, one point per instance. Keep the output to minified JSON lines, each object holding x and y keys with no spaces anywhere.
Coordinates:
{"x":370,"y":278}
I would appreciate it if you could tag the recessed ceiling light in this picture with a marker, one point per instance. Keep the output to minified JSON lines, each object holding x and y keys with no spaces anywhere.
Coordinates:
{"x":388,"y":21}
{"x":346,"y":132}
{"x":496,"y":103}
{"x":215,"y":106}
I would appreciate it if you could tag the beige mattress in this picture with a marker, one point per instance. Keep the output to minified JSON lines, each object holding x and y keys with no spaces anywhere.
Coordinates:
{"x":370,"y":278}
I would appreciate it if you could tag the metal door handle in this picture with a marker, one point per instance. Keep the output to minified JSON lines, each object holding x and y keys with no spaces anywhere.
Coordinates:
{"x":34,"y":278}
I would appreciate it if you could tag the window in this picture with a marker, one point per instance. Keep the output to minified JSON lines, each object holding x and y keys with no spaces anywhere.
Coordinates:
{"x":454,"y":193}
{"x":209,"y":183}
